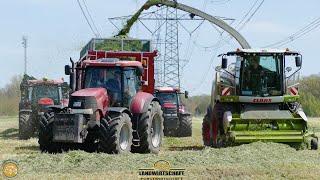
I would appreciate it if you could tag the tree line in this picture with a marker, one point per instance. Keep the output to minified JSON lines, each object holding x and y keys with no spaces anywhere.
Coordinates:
{"x":197,"y":105}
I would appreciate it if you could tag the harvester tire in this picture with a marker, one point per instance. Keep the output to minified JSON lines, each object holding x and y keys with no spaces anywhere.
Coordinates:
{"x":26,"y":130}
{"x":206,"y":129}
{"x":46,"y":133}
{"x":314,"y":144}
{"x":150,"y":130}
{"x":116,"y":134}
{"x":185,"y":126}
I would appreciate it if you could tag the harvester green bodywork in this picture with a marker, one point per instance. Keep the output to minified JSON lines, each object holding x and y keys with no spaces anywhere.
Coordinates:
{"x":242,"y":112}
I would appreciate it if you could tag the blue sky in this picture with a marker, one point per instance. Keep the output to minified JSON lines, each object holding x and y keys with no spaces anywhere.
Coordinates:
{"x":57,"y":30}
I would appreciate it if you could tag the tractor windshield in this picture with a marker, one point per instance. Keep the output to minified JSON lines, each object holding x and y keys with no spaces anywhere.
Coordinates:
{"x":105,"y":77}
{"x":167,"y":97}
{"x":261,"y":75}
{"x":45,"y":91}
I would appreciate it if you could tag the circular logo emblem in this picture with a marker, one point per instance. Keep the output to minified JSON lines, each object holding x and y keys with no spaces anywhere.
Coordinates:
{"x":10,"y":169}
{"x":161,"y":165}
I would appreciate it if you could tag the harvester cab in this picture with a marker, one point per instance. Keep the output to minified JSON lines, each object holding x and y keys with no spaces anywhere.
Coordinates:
{"x":112,"y":108}
{"x":35,"y":96}
{"x":257,"y":99}
{"x":177,"y":119}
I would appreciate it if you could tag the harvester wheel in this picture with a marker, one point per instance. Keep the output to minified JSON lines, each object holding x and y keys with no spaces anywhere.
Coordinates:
{"x":150,"y":130}
{"x":46,"y":133}
{"x":185,"y":126}
{"x":25,"y":126}
{"x":116,"y":135}
{"x":206,"y":129}
{"x":314,"y":144}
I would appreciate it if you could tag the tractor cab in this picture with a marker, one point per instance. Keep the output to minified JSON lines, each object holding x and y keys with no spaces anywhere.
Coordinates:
{"x":120,"y":78}
{"x":43,"y":92}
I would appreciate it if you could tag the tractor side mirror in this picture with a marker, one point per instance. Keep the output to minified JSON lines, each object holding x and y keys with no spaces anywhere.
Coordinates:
{"x":67,"y":70}
{"x":186,"y":94}
{"x":139,"y":71}
{"x":224,"y":63}
{"x":298,"y":61}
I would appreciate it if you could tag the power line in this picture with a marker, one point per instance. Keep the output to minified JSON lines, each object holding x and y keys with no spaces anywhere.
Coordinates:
{"x":311,"y":26}
{"x":228,"y":37}
{"x":96,"y":34}
{"x":95,"y":27}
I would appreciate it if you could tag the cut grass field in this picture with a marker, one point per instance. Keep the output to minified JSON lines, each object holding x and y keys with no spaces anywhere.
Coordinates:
{"x":249,"y":161}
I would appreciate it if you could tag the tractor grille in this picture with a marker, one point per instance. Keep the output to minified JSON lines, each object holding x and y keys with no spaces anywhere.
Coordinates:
{"x":170,"y":111}
{"x":266,"y":115}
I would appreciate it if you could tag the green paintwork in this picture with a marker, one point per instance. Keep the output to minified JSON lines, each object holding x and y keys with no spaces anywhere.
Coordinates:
{"x":289,"y":98}
{"x":229,"y":99}
{"x":274,"y":130}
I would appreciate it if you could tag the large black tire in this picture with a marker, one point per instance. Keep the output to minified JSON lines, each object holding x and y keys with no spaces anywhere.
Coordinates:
{"x":206,"y":131}
{"x":116,"y":135}
{"x":46,"y":133}
{"x":185,"y":126}
{"x":217,"y":118}
{"x":150,"y":130}
{"x":26,"y":131}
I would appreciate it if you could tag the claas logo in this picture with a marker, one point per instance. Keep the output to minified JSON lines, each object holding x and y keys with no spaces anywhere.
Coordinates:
{"x":262,"y":100}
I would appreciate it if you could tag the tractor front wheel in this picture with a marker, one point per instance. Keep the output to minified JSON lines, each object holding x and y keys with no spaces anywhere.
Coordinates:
{"x":150,"y":130}
{"x":26,"y":130}
{"x":46,"y":133}
{"x":185,"y":126}
{"x":116,"y":134}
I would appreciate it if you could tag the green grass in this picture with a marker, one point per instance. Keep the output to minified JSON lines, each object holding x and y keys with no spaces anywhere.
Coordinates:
{"x":249,"y":161}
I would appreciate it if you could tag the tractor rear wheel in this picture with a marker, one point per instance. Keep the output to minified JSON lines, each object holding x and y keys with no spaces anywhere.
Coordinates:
{"x":206,"y":131}
{"x":46,"y":133}
{"x":116,"y":134}
{"x":185,"y":126}
{"x":26,"y":130}
{"x":150,"y":130}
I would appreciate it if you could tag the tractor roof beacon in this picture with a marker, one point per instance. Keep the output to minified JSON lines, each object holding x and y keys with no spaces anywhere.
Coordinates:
{"x":112,"y":108}
{"x":256,"y":99}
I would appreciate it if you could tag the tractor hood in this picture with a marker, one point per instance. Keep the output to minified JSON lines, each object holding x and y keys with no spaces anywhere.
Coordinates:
{"x":95,"y":92}
{"x":91,"y":98}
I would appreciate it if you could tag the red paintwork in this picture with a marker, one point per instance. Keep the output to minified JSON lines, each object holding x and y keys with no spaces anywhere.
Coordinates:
{"x":215,"y":128}
{"x":167,"y":89}
{"x":100,"y":95}
{"x":138,"y":101}
{"x":148,"y":75}
{"x":207,"y":131}
{"x":169,"y":105}
{"x":45,"y":101}
{"x":112,"y":64}
{"x":45,"y":82}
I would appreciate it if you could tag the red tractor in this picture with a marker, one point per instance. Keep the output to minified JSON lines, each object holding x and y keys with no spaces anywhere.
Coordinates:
{"x":35,"y":96}
{"x":112,"y":108}
{"x":177,"y":119}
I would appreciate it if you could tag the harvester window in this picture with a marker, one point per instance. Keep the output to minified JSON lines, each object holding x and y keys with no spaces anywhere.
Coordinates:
{"x":262,"y":75}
